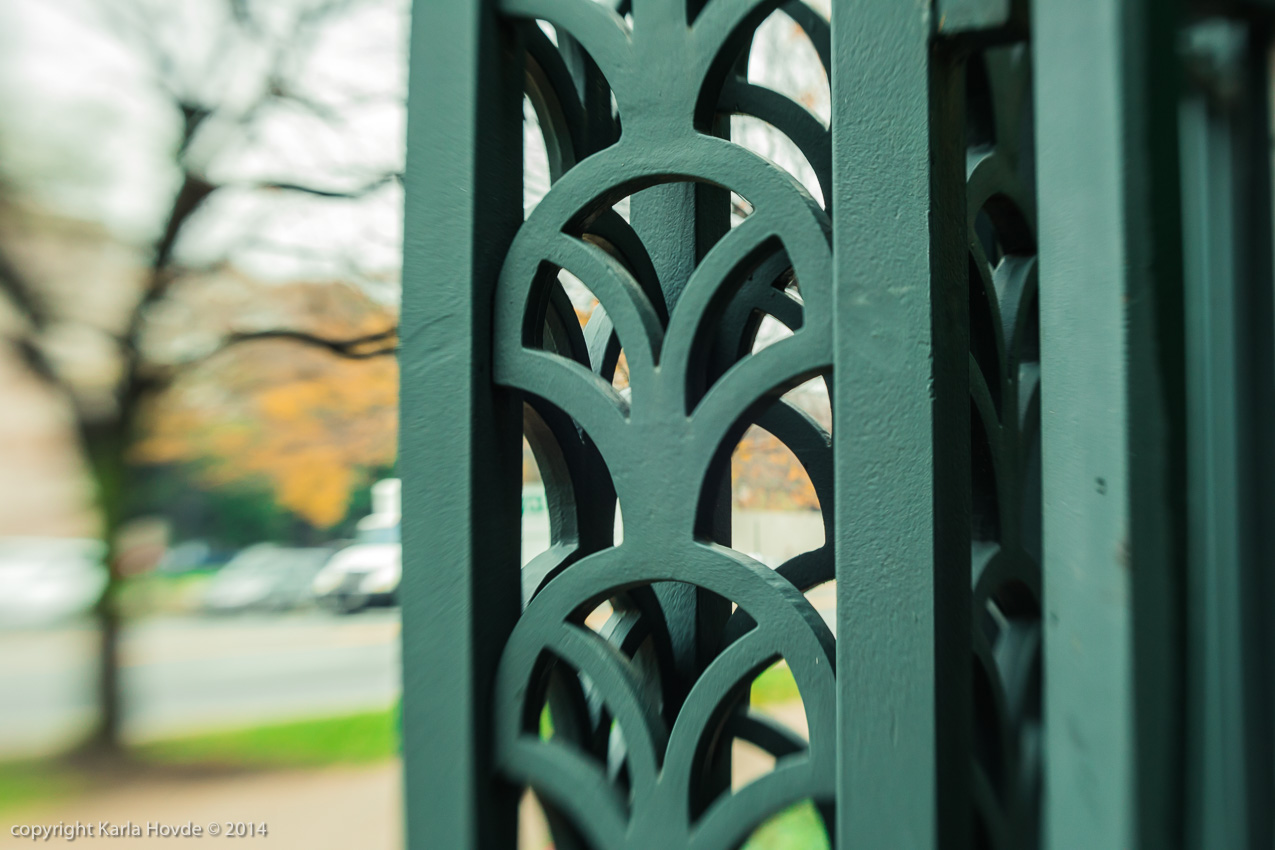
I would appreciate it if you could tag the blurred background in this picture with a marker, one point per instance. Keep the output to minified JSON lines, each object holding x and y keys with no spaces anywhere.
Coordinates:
{"x":200,"y":221}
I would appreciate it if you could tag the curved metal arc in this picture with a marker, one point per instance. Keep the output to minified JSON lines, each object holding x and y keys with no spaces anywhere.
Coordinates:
{"x":615,"y":236}
{"x":604,"y":344}
{"x":714,"y":281}
{"x":765,"y":733}
{"x":1004,"y":567}
{"x":618,"y":237}
{"x":553,"y":95}
{"x":733,"y":817}
{"x":990,"y":176}
{"x":573,"y":717}
{"x":590,"y":401}
{"x":1018,"y":659}
{"x":1016,"y":282}
{"x":717,"y":569}
{"x":636,"y":321}
{"x":551,"y":452}
{"x":560,"y":326}
{"x":733,"y":337}
{"x":770,"y":372}
{"x":603,"y":33}
{"x":989,"y":301}
{"x":599,"y":181}
{"x":985,"y":405}
{"x":801,"y":126}
{"x":1028,"y":404}
{"x":621,"y":690}
{"x":578,"y":484}
{"x":572,"y":784}
{"x":817,"y":28}
{"x":1001,"y":723}
{"x":565,"y":386}
{"x":804,"y":571}
{"x":729,"y":674}
{"x":543,"y":567}
{"x":988,"y":418}
{"x":982,"y":554}
{"x":785,"y":307}
{"x":723,"y":28}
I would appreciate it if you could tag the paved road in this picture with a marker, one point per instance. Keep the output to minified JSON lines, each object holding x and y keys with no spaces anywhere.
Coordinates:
{"x":198,"y":673}
{"x":188,"y":674}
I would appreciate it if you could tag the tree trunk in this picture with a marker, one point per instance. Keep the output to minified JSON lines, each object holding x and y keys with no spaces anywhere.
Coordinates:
{"x":105,"y":444}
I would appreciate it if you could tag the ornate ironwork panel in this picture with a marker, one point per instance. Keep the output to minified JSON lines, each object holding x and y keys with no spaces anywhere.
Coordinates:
{"x":1044,"y":337}
{"x":1005,"y":398}
{"x":645,"y":707}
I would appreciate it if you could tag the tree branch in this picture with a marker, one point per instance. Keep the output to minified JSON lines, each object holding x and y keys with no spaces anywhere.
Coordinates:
{"x":14,"y":285}
{"x":365,"y":347}
{"x":350,"y":194}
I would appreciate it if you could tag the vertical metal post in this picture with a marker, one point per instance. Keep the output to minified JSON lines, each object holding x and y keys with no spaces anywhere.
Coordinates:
{"x":901,"y":440}
{"x":1112,"y":421}
{"x":1215,"y":707}
{"x":1227,"y":248}
{"x":459,"y":439}
{"x":1255,"y":381}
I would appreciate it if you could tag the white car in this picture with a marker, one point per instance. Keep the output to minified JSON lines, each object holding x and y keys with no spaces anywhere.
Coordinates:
{"x":368,"y":571}
{"x":47,"y":579}
{"x":363,"y":574}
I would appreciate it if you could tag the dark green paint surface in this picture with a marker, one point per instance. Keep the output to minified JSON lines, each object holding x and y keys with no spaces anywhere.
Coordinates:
{"x":1051,"y":385}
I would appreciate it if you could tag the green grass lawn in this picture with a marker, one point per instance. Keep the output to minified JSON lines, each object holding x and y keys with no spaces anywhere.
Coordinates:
{"x":795,"y":828}
{"x":351,"y":739}
{"x":23,"y":783}
{"x":775,"y":686}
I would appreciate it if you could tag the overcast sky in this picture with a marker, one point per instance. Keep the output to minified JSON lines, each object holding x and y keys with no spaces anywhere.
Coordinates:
{"x":84,"y":125}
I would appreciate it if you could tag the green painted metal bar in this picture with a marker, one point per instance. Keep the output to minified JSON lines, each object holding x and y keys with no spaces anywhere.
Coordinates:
{"x":460,"y":436}
{"x":1227,"y":247}
{"x":1113,"y":421}
{"x":1255,"y":367}
{"x":901,"y":439}
{"x":1215,"y":707}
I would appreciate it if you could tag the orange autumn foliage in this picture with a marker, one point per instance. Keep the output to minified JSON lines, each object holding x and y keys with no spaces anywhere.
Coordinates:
{"x":302,"y":421}
{"x":765,"y":475}
{"x":306,"y":423}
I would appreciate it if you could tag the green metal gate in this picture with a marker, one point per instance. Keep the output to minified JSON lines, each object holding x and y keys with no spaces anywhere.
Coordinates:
{"x":1037,"y":288}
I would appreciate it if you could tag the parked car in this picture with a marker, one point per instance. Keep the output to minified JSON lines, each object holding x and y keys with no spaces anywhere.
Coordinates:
{"x":265,"y":577}
{"x":44,"y":580}
{"x":368,"y":571}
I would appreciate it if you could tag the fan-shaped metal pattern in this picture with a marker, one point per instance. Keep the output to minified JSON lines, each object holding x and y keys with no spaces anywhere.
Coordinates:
{"x":631,"y":97}
{"x":1005,"y":451}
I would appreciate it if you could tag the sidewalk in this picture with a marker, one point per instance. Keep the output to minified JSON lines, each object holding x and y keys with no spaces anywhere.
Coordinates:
{"x":330,"y":809}
{"x":337,"y":808}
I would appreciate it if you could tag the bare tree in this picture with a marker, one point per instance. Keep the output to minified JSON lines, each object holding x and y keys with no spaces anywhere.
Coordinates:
{"x":227,"y":79}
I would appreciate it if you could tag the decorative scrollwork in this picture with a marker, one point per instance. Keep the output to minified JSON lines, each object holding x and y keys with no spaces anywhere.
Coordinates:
{"x":631,"y":97}
{"x":1005,"y":426}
